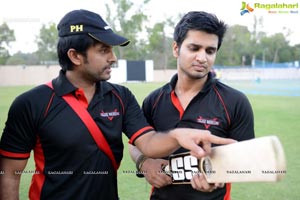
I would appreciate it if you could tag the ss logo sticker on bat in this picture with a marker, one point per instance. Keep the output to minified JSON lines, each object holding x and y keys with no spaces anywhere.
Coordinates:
{"x":183,"y":167}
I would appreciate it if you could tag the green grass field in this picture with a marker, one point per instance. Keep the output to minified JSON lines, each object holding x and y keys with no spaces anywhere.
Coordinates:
{"x":274,"y":115}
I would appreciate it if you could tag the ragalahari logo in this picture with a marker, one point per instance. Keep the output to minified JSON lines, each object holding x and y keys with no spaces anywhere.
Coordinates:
{"x":246,"y":8}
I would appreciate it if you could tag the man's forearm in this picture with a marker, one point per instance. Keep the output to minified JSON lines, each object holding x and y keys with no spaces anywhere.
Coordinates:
{"x":9,"y":179}
{"x":134,"y":152}
{"x":156,"y":145}
{"x":9,"y":187}
{"x":161,"y":144}
{"x":199,"y":142}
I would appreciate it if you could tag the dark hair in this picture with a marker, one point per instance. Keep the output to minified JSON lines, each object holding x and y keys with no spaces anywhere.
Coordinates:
{"x":78,"y":42}
{"x":201,"y":21}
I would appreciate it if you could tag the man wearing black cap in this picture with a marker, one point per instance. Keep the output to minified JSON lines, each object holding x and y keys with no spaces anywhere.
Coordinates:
{"x":74,"y":123}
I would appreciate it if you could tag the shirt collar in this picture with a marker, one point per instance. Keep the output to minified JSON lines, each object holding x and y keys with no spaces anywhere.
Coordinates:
{"x":210,"y":81}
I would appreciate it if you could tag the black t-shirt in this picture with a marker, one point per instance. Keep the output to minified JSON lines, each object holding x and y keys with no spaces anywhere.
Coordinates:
{"x":69,"y":164}
{"x":224,"y":111}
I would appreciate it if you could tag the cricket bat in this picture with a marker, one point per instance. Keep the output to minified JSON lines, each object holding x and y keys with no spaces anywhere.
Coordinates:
{"x":256,"y":160}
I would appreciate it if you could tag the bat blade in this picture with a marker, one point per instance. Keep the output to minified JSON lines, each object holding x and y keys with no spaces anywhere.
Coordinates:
{"x":256,"y":160}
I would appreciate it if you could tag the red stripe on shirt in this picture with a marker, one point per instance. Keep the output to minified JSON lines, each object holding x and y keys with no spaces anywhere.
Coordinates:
{"x":38,"y":178}
{"x":228,"y":189}
{"x":120,"y":99}
{"x":139,"y":132}
{"x":177,"y":103}
{"x":14,"y":155}
{"x":224,"y":105}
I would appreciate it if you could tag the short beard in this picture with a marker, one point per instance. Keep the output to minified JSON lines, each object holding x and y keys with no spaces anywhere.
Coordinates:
{"x":200,"y":76}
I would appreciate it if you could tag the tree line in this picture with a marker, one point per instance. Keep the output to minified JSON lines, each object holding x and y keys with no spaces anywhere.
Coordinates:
{"x":241,"y":47}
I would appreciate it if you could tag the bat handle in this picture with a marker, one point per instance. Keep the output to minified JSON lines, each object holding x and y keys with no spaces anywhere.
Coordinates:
{"x":166,"y":170}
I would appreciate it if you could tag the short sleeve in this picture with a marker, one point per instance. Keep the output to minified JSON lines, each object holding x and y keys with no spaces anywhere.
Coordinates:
{"x":19,"y":135}
{"x":135,"y":123}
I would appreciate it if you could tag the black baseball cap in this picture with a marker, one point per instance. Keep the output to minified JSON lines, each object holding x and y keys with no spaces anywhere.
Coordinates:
{"x":86,"y":22}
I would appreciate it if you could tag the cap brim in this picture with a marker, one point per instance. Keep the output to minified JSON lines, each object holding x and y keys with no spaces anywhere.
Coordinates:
{"x":110,"y":39}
